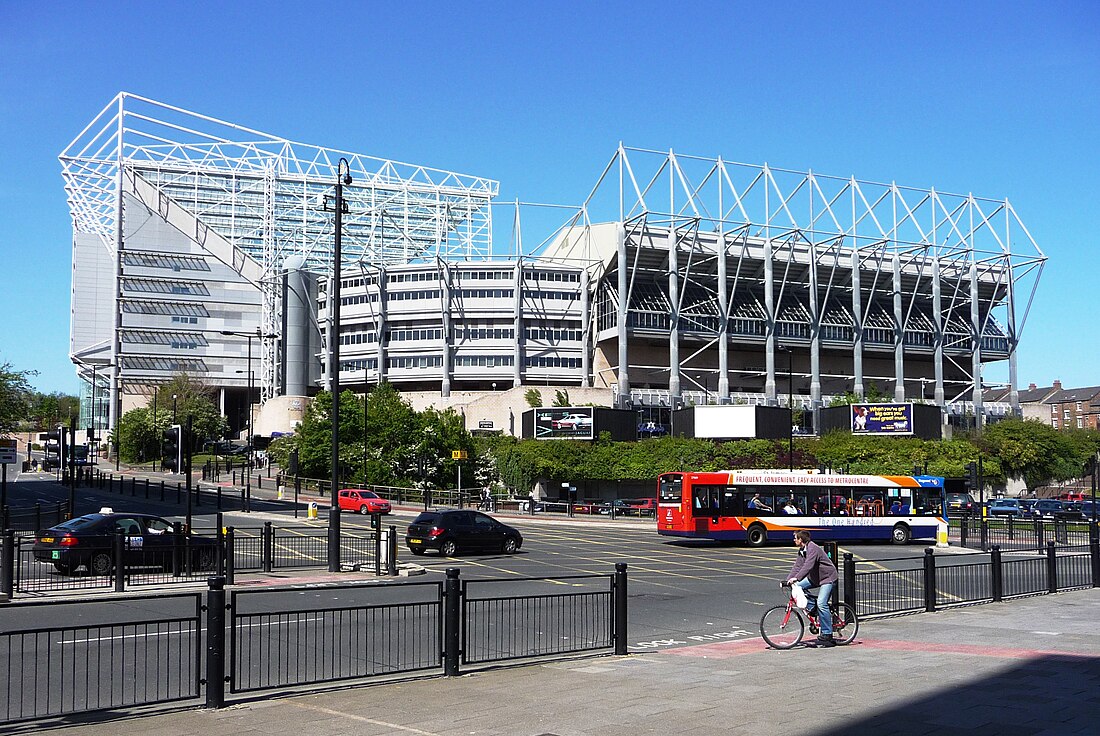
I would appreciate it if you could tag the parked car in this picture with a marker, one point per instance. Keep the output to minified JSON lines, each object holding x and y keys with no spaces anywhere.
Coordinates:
{"x":1005,"y":507}
{"x":454,"y":530}
{"x":588,"y":506}
{"x":1049,"y":508}
{"x":634,"y":506}
{"x":1072,"y":497}
{"x":89,"y":541}
{"x":1026,"y":504}
{"x":573,"y":422}
{"x":960,"y":503}
{"x":363,"y":502}
{"x":1087,"y":509}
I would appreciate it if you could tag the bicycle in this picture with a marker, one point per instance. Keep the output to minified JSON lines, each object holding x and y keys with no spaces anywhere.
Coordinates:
{"x":784,"y":626}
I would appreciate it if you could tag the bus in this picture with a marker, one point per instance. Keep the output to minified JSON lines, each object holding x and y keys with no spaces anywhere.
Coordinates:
{"x":755,"y":505}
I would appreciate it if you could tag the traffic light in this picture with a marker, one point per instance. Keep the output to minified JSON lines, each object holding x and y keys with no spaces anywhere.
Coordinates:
{"x":292,"y":462}
{"x":170,"y":449}
{"x":972,"y":476}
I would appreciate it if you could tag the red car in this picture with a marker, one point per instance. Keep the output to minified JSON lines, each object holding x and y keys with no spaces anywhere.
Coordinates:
{"x":364,"y":502}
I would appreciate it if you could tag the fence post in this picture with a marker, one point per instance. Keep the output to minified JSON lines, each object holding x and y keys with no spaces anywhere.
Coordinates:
{"x":451,"y":616}
{"x":230,"y":567}
{"x":268,"y":535}
{"x":58,"y":512}
{"x":179,"y":488}
{"x":37,"y":516}
{"x":221,"y":544}
{"x":120,"y":563}
{"x":620,"y":608}
{"x":985,"y":534}
{"x":996,"y":572}
{"x":1094,"y":552}
{"x":7,"y":566}
{"x":215,"y":643}
{"x":146,"y":488}
{"x":391,"y":556}
{"x":133,"y":486}
{"x":377,"y":551}
{"x":1052,"y":568}
{"x":161,"y":489}
{"x":850,"y":596}
{"x":929,"y":581}
{"x":1011,"y":528}
{"x":1039,"y":534}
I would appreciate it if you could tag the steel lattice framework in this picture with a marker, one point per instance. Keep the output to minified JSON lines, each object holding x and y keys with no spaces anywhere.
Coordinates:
{"x":802,"y":252}
{"x":264,"y":195}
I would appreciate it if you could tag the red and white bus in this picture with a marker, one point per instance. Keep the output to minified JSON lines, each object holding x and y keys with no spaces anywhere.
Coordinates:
{"x":755,"y":505}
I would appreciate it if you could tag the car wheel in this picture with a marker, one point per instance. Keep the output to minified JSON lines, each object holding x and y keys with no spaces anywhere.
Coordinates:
{"x":65,"y":568}
{"x":417,"y":550}
{"x":900,"y":534}
{"x":511,"y":546}
{"x":448,"y":548}
{"x":364,"y":510}
{"x":101,"y":564}
{"x":757,"y":536}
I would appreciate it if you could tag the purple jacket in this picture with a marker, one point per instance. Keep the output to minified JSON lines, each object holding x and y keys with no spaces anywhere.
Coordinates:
{"x":812,"y":562}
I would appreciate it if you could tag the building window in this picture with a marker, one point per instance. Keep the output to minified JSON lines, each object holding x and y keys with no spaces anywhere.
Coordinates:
{"x":1080,"y":423}
{"x":1078,"y":406}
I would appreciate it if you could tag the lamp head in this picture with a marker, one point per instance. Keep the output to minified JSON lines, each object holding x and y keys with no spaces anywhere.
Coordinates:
{"x":347,"y":179}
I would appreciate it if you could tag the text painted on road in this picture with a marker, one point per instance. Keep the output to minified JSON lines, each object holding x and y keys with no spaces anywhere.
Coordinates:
{"x":694,"y":639}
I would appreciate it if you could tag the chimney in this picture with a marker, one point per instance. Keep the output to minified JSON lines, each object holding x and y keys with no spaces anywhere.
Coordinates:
{"x":1031,"y":387}
{"x":1057,"y":385}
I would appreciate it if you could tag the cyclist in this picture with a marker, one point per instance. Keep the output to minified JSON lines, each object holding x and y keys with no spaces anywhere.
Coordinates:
{"x":813,"y":568}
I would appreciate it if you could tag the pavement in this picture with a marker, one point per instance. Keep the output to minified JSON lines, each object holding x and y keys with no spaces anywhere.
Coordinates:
{"x":1020,"y":667}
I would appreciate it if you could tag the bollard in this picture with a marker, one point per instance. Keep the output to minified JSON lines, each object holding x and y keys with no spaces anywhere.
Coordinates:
{"x":941,"y":534}
{"x":391,"y":557}
{"x":929,"y":581}
{"x":120,"y":563}
{"x":452,"y":594}
{"x":312,"y":512}
{"x":215,"y":643}
{"x":620,"y":608}
{"x":7,"y":566}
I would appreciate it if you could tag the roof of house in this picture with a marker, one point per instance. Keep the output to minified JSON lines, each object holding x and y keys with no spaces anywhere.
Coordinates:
{"x":1087,"y":393}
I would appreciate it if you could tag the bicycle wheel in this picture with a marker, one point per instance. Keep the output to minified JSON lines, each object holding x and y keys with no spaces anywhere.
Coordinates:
{"x":782,"y":629}
{"x":845,"y":625}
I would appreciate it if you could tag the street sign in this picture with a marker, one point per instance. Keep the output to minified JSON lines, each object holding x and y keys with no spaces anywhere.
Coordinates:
{"x":8,"y":449}
{"x":458,"y":454}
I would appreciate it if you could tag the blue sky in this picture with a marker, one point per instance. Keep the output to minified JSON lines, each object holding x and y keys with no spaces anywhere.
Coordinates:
{"x":998,"y":99}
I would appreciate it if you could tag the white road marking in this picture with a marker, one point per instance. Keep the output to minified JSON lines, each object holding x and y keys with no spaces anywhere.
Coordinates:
{"x":363,"y":719}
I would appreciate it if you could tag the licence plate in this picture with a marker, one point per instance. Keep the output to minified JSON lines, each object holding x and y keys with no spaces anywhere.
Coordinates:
{"x":46,"y":540}
{"x":416,"y":541}
{"x":55,"y":555}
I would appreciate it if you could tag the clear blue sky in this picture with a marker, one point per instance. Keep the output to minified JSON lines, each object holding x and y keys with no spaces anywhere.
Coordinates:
{"x":999,"y":99}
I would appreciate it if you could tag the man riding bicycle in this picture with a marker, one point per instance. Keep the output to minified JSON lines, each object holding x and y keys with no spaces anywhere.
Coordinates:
{"x":813,"y":568}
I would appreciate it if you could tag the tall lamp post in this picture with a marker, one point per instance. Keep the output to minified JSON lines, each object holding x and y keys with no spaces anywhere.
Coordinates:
{"x":790,"y":405}
{"x":95,"y":407}
{"x":339,"y":205}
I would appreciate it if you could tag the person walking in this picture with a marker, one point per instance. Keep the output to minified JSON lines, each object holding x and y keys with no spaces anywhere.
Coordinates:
{"x":813,"y":568}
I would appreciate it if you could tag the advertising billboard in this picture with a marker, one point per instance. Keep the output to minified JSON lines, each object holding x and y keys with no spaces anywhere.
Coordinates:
{"x":882,"y":419}
{"x":564,"y":423}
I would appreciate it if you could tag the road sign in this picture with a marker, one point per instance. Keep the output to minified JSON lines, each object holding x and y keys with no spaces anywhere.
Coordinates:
{"x":458,"y":454}
{"x":8,"y":450}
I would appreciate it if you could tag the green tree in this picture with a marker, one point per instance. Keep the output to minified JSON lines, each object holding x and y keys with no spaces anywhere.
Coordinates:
{"x":561,"y":398}
{"x":533,"y":397}
{"x":1034,"y":451}
{"x":15,"y":393}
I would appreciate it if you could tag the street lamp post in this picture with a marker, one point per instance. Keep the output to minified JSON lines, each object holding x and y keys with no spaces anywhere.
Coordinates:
{"x":343,"y":178}
{"x":790,"y":405}
{"x":246,"y":505}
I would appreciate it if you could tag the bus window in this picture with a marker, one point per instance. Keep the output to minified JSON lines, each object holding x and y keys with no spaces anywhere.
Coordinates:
{"x":671,"y":489}
{"x":927,"y":502}
{"x":870,"y":503}
{"x":731,"y":502}
{"x":759,"y":503}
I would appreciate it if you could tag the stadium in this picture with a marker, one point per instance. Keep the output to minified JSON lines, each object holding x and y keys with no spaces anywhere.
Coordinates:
{"x":206,"y":247}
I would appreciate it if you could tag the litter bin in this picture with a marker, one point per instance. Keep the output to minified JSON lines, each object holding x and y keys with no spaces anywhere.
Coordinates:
{"x":312,"y":512}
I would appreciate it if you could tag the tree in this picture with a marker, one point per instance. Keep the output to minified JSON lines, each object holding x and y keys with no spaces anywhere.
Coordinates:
{"x":14,"y":397}
{"x":533,"y":397}
{"x":1034,"y":451}
{"x":561,"y":398}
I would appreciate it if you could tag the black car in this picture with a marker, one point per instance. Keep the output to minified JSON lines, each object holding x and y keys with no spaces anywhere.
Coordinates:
{"x":452,"y":530}
{"x":150,"y":541}
{"x":1049,"y":508}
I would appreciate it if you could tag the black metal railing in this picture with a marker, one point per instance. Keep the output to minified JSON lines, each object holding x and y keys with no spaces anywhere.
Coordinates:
{"x":1010,"y":533}
{"x":33,"y":518}
{"x":908,"y":585}
{"x":150,"y":652}
{"x":536,"y":620}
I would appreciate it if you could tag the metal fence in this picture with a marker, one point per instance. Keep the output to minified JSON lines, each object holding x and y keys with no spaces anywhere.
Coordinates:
{"x":907,"y":585}
{"x":1010,"y":533}
{"x":32,"y":518}
{"x":140,"y":650}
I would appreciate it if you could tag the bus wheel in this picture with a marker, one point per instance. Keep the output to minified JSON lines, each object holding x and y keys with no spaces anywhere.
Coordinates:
{"x":758,"y":535}
{"x":900,"y":535}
